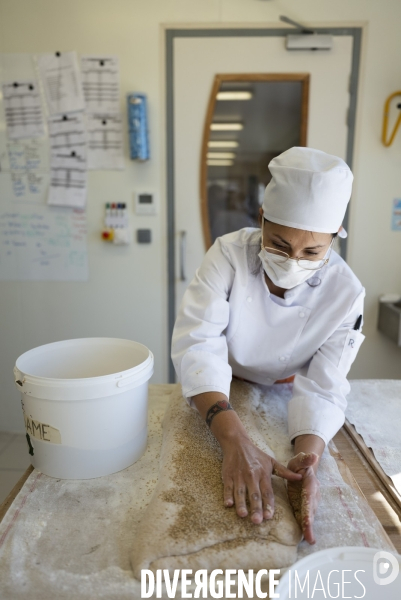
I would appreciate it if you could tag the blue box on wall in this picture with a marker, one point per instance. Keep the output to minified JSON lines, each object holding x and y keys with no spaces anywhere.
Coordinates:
{"x":138,"y":126}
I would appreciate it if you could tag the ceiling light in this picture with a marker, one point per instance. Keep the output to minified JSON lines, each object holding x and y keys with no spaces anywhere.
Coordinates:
{"x":222,"y":144}
{"x":220,"y":163}
{"x":234,"y":95}
{"x":226,"y":126}
{"x":220,"y":155}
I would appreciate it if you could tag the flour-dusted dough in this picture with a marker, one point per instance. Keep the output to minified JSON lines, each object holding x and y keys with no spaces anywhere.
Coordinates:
{"x":186,"y":524}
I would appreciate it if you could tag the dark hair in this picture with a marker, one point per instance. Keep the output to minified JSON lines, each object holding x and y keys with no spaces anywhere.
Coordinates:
{"x":255,"y":264}
{"x":252,"y":250}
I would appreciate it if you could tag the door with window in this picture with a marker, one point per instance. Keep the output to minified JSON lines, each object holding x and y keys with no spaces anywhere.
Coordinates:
{"x":236,"y":103}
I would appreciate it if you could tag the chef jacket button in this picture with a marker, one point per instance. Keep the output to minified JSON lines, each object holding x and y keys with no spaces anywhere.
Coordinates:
{"x":249,"y":299}
{"x":302,"y":314}
{"x":282,"y":358}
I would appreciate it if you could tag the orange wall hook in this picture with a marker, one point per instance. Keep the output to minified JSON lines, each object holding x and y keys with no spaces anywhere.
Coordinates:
{"x":388,"y":142}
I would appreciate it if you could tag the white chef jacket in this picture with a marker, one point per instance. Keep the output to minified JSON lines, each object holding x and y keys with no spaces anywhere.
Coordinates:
{"x":230,"y":324}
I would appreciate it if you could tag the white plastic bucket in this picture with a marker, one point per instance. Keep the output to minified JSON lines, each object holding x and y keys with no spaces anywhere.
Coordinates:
{"x":85,"y":405}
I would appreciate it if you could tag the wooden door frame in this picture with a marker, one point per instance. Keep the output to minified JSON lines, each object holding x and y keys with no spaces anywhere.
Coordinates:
{"x":175,"y":32}
{"x":304,"y":78}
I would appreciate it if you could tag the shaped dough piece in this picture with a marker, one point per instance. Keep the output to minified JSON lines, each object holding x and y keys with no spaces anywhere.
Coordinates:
{"x":186,"y":524}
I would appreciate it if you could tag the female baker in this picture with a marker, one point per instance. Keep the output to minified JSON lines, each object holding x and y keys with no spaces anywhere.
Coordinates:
{"x":267,"y":304}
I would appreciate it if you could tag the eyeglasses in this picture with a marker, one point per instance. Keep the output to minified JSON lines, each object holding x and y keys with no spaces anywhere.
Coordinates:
{"x":304,"y":263}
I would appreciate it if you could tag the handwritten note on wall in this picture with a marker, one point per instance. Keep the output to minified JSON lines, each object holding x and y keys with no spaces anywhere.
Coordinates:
{"x":42,"y":243}
{"x":27,"y":169}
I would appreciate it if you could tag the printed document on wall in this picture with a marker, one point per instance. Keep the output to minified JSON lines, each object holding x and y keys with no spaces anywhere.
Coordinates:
{"x":23,"y":109}
{"x":68,"y":160}
{"x":101,"y":83}
{"x":42,"y":243}
{"x":61,"y":81}
{"x":105,"y":141}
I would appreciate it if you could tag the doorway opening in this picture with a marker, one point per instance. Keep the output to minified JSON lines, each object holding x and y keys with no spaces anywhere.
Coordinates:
{"x":173,"y":37}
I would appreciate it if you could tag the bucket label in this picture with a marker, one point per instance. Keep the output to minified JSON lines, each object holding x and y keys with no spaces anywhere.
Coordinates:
{"x":42,"y":431}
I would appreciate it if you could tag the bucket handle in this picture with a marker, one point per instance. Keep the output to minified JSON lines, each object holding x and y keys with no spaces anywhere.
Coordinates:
{"x":17,"y":377}
{"x":138,"y":380}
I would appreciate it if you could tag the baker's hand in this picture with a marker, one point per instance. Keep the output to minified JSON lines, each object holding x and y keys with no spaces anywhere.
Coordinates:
{"x":246,"y":472}
{"x":304,"y":495}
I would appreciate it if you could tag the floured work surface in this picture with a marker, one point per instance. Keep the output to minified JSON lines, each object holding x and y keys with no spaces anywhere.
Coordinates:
{"x":73,"y":539}
{"x":194,"y":530}
{"x":374,"y":409}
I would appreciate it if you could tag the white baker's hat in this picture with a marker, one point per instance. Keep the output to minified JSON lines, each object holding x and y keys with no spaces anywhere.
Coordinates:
{"x":309,"y":190}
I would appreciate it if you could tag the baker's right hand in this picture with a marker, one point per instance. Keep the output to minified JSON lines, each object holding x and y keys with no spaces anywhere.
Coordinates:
{"x":246,"y":473}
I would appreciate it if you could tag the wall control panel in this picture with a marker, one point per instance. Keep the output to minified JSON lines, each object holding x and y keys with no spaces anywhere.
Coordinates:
{"x":145,"y":203}
{"x":116,"y":224}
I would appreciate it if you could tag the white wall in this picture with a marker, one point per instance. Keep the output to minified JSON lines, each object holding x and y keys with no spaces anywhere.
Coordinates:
{"x":127,"y":293}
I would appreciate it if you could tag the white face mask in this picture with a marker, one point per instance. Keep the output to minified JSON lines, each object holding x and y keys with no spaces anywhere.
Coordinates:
{"x":286,"y":274}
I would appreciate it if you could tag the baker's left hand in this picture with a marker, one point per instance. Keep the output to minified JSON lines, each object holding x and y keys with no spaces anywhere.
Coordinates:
{"x":304,"y":495}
